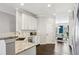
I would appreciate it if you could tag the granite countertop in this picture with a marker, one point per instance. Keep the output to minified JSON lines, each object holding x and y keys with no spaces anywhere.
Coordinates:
{"x":4,"y":36}
{"x":47,"y":43}
{"x":11,"y":37}
{"x":20,"y":46}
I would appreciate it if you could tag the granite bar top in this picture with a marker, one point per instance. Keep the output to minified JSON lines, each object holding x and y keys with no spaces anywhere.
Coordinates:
{"x":8,"y":35}
{"x":21,"y":46}
{"x":5,"y":38}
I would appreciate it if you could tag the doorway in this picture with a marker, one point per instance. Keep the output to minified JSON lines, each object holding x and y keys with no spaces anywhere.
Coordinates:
{"x":62,"y":32}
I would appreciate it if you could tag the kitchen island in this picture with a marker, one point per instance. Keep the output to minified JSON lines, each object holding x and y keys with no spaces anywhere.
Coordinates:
{"x":10,"y":46}
{"x":25,"y":48}
{"x":7,"y":43}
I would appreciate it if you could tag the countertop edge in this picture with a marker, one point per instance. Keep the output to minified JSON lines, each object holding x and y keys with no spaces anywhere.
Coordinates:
{"x":25,"y":49}
{"x":6,"y":38}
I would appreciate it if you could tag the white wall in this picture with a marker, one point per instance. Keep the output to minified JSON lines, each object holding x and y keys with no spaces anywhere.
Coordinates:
{"x":62,"y":19}
{"x":51,"y":29}
{"x":46,"y":29}
{"x":42,"y":29}
{"x":7,"y":22}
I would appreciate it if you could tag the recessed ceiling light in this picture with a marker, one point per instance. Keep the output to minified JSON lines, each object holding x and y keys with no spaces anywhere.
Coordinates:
{"x":49,"y":5}
{"x":54,"y":14}
{"x":69,"y":11}
{"x":58,"y":27}
{"x":22,"y":4}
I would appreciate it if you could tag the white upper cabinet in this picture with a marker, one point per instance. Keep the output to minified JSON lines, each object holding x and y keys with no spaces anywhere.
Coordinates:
{"x":18,"y":20}
{"x":34,"y":23}
{"x":28,"y":22}
{"x":25,"y":21}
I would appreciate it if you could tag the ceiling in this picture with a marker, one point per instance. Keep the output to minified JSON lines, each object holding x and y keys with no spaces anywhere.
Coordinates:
{"x":40,"y":9}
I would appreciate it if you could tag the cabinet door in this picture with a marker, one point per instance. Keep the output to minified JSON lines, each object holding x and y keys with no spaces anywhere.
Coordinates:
{"x":10,"y":48}
{"x":18,"y":21}
{"x":30,"y":22}
{"x":25,"y":21}
{"x":34,"y":24}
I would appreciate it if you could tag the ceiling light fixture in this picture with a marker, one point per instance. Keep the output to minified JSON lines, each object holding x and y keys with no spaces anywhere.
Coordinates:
{"x":69,"y":11}
{"x":49,"y":5}
{"x":22,"y":4}
{"x":54,"y":14}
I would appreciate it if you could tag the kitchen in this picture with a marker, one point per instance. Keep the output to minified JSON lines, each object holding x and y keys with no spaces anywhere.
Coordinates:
{"x":25,"y":32}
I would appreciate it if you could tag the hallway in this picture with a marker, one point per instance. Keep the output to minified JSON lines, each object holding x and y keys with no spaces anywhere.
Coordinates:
{"x":62,"y":49}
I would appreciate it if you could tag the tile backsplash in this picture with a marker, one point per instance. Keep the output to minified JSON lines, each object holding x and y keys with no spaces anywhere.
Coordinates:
{"x":22,"y":34}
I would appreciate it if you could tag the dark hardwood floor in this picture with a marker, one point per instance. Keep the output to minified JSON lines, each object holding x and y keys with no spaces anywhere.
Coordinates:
{"x":53,"y":49}
{"x":45,"y":49}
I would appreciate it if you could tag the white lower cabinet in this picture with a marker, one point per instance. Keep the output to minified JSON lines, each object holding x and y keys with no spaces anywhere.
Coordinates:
{"x":7,"y":46}
{"x":30,"y":51}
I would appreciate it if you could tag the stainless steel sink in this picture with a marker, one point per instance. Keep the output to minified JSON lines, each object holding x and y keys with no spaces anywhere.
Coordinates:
{"x":20,"y":39}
